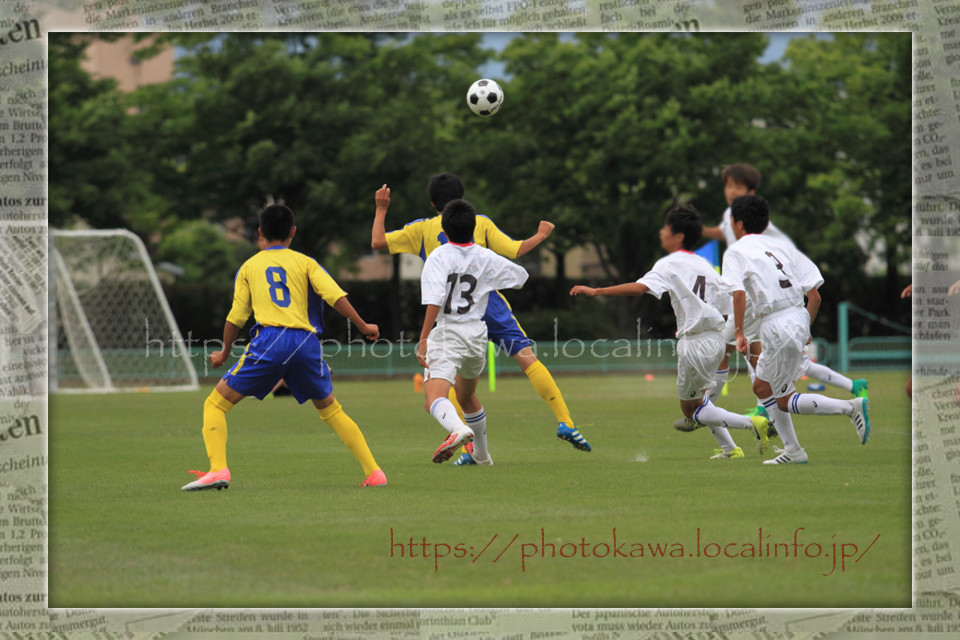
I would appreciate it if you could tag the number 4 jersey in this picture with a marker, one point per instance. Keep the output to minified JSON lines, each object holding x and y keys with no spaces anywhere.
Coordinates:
{"x":459,"y":277}
{"x":694,"y":288}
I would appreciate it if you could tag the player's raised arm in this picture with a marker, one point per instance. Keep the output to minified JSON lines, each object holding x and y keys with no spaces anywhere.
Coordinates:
{"x":378,"y":238}
{"x":625,"y":289}
{"x":543,"y":232}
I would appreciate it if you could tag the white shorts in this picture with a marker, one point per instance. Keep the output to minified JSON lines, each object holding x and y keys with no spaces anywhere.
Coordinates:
{"x":751,"y":329}
{"x":784,"y":335}
{"x":698,"y":357}
{"x":456,"y":348}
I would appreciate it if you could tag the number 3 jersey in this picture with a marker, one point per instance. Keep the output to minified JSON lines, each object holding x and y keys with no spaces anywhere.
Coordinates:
{"x":774,"y":274}
{"x":458,"y":278}
{"x":694,"y":288}
{"x":283,"y":288}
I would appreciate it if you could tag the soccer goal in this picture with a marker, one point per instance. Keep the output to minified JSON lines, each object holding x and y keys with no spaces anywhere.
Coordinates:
{"x":114,"y":328}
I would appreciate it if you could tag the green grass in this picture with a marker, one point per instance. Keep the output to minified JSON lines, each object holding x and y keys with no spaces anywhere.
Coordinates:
{"x":294,"y":529}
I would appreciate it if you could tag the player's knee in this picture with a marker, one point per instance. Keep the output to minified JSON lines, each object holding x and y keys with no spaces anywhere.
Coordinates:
{"x":758,"y":388}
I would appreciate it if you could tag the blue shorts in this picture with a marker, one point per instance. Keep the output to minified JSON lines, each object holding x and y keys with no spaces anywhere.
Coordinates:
{"x":275,"y":353}
{"x":503,"y":329}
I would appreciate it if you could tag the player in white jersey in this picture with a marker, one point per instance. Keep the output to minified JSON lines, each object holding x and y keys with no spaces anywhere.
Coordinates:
{"x":455,"y":283}
{"x":700,"y":306}
{"x":740,"y":180}
{"x":772,"y":277}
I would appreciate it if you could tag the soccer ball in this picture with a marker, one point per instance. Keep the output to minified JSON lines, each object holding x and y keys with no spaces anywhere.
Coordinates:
{"x":485,"y":97}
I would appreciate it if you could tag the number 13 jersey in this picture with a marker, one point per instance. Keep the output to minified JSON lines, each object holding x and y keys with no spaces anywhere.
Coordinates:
{"x":694,"y":288}
{"x":459,"y":277}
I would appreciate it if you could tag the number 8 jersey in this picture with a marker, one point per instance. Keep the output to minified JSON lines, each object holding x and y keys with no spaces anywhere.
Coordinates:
{"x":283,"y":288}
{"x":459,"y":277}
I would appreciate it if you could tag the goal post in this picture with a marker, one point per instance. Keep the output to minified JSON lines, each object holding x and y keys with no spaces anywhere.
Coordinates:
{"x":114,"y":328}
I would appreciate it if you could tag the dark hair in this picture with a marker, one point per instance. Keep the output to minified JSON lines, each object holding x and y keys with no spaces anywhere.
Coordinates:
{"x":443,"y":188}
{"x":745,"y":174}
{"x":753,"y":211}
{"x":277,"y":222}
{"x":458,"y":221}
{"x":686,"y":220}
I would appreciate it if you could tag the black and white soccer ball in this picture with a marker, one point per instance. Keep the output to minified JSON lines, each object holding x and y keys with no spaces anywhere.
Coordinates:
{"x":485,"y":97}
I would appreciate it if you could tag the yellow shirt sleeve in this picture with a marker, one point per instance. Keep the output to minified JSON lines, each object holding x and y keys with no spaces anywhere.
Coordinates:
{"x":242,"y":300}
{"x":409,"y":239}
{"x":324,"y":284}
{"x":496,"y":240}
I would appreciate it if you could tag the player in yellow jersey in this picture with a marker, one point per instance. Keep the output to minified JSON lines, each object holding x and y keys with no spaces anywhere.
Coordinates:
{"x":421,"y":237}
{"x":285,"y":290}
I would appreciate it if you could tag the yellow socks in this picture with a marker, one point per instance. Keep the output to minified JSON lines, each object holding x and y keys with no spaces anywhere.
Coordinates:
{"x":215,"y":410}
{"x":350,"y":433}
{"x":456,"y":405}
{"x":544,"y":385}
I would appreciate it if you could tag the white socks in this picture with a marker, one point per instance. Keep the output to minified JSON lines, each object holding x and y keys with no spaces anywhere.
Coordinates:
{"x":713,"y":416}
{"x":828,"y":375}
{"x":816,"y":404}
{"x":784,"y":424}
{"x":478,"y":423}
{"x":445,"y":413}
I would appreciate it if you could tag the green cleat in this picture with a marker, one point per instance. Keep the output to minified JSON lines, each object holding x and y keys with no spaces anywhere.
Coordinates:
{"x":720,"y":454}
{"x":760,"y":426}
{"x":859,"y":388}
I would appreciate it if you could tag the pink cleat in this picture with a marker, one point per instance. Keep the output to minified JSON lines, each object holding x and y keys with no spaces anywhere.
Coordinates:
{"x":375,"y":479}
{"x":209,"y":480}
{"x":454,"y":440}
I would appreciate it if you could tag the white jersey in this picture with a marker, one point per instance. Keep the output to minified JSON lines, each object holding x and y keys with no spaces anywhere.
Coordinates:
{"x":458,"y":278}
{"x":726,"y":226}
{"x":774,"y":274}
{"x":695,"y":291}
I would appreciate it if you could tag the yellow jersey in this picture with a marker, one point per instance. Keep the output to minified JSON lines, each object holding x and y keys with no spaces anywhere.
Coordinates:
{"x":422,"y":236}
{"x":283,"y":288}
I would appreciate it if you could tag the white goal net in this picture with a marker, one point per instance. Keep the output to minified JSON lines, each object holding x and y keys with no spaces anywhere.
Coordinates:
{"x":114,"y":328}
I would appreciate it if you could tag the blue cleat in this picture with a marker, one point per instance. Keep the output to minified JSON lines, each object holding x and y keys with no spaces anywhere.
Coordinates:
{"x":573,"y":436}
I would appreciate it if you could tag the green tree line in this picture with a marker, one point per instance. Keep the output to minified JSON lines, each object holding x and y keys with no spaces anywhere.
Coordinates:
{"x":600,"y":133}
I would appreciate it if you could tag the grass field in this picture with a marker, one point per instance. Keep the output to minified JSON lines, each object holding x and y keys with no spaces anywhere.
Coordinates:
{"x":294,"y":530}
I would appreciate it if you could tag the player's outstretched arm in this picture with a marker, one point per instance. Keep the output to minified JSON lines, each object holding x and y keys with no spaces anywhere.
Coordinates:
{"x":626,"y":289}
{"x":230,"y":333}
{"x":714,"y":233}
{"x":343,"y":307}
{"x":429,"y":319}
{"x":531,"y":243}
{"x":378,"y":238}
{"x":908,"y":291}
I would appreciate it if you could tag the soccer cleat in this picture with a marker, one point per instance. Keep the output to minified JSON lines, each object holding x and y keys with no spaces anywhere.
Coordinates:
{"x":720,"y":454}
{"x":760,"y":425}
{"x":799,"y":457}
{"x":757,"y":411}
{"x":454,"y":440}
{"x":375,"y":479}
{"x":859,"y":388}
{"x":573,"y":436}
{"x":209,"y":480}
{"x":686,"y":425}
{"x":468,"y":459}
{"x":861,"y":418}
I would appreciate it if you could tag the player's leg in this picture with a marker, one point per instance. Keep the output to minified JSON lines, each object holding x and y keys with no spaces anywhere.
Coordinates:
{"x":308,"y":377}
{"x":857,"y":388}
{"x":337,"y":419}
{"x":438,"y":405}
{"x":505,"y":331}
{"x":476,"y":419}
{"x":215,"y":408}
{"x":779,"y":365}
{"x":856,"y":409}
{"x":728,"y":448}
